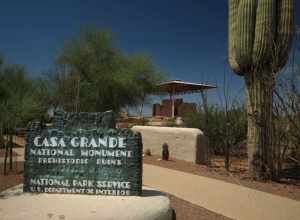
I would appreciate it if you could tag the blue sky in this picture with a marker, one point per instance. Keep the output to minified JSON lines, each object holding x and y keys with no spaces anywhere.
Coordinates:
{"x":186,"y":39}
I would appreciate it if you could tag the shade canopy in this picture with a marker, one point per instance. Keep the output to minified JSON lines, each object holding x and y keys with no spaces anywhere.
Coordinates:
{"x":180,"y":87}
{"x":176,"y":87}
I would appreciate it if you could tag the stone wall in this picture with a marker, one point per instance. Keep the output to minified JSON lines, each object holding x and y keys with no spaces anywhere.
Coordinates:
{"x":187,"y":144}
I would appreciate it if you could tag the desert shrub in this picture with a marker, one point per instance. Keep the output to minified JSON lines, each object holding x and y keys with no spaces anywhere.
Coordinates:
{"x":286,"y":122}
{"x":148,"y":152}
{"x":220,"y":127}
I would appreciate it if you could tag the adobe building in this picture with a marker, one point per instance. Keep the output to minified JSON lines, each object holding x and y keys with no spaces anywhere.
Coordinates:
{"x":180,"y":108}
{"x":177,"y":107}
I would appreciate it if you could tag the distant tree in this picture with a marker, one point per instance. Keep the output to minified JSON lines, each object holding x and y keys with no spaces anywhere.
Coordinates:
{"x":94,"y":75}
{"x":20,"y":102}
{"x":145,"y":79}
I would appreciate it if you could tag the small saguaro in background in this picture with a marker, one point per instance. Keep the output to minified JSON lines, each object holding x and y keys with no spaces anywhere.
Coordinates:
{"x":165,"y":151}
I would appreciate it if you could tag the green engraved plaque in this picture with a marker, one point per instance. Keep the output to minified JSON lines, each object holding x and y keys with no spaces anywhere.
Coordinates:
{"x":83,"y":153}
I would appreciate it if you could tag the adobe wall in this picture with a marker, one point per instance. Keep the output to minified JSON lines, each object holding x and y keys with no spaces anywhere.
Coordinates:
{"x":187,"y":144}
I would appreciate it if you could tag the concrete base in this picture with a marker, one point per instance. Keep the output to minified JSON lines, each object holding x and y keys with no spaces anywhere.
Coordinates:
{"x":16,"y":205}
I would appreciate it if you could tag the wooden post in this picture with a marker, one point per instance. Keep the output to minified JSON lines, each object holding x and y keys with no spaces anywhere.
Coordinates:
{"x":172,"y":100}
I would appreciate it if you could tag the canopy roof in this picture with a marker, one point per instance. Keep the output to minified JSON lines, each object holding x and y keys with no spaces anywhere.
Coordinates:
{"x":181,"y":87}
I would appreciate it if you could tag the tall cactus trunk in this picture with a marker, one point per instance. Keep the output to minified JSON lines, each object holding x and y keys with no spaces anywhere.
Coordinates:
{"x":259,"y":92}
{"x":260,"y":37}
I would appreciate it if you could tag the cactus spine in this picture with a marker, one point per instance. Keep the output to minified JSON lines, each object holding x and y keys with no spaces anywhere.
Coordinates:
{"x":260,"y":36}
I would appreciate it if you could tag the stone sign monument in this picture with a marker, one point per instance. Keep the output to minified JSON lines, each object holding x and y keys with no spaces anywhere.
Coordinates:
{"x":83,"y":153}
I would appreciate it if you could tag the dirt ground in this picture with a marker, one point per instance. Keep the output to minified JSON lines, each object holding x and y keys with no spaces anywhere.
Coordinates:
{"x":2,"y":153}
{"x":188,"y":211}
{"x":183,"y":209}
{"x":13,"y":177}
{"x":238,"y":175}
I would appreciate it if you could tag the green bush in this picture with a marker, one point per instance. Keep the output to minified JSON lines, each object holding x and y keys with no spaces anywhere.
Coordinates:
{"x":220,"y":127}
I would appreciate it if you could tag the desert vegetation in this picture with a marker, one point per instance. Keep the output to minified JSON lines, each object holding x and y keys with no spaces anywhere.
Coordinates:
{"x":260,"y":37}
{"x":227,"y":127}
{"x":91,"y":74}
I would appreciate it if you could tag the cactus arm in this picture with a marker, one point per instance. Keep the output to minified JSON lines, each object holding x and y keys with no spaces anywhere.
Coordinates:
{"x":232,"y":35}
{"x":285,"y":30}
{"x":245,"y":32}
{"x":264,"y":32}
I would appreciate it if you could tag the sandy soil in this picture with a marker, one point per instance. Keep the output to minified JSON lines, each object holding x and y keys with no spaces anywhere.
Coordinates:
{"x":188,"y":211}
{"x":13,"y":177}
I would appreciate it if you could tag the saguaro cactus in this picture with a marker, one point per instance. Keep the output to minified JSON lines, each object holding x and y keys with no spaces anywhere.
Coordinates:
{"x":260,"y":36}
